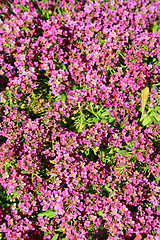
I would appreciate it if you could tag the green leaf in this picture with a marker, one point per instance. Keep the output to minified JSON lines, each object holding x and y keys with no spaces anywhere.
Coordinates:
{"x":55,"y":237}
{"x":74,"y":87}
{"x":92,"y":120}
{"x":100,"y":213}
{"x":156,"y":26}
{"x":125,"y":120}
{"x":124,"y":153}
{"x":25,"y":28}
{"x":104,"y":114}
{"x":64,"y":66}
{"x":20,"y":6}
{"x":157,"y":179}
{"x":60,"y":10}
{"x":157,"y":117}
{"x":60,"y":229}
{"x":111,"y":119}
{"x":49,"y":213}
{"x":8,"y":45}
{"x":154,"y":232}
{"x":63,"y":97}
{"x":158,"y":207}
{"x":153,"y":119}
{"x":9,"y":3}
{"x":147,"y":120}
{"x":157,"y":108}
{"x":102,"y":41}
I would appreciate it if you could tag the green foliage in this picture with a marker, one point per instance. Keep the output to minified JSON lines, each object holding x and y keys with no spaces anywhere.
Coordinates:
{"x":49,"y":213}
{"x":46,"y":13}
{"x":90,"y":153}
{"x":107,"y":155}
{"x":25,"y":28}
{"x":4,"y":198}
{"x":87,"y":115}
{"x":122,"y":124}
{"x":158,"y":208}
{"x":105,"y":190}
{"x":157,"y":178}
{"x":102,"y":41}
{"x":124,"y":153}
{"x":55,"y":237}
{"x":23,"y":7}
{"x":59,"y":65}
{"x":155,"y":26}
{"x":2,"y":15}
{"x":92,"y":189}
{"x":8,"y":45}
{"x":63,"y":97}
{"x":100,"y":213}
{"x":9,"y":96}
{"x":152,"y":116}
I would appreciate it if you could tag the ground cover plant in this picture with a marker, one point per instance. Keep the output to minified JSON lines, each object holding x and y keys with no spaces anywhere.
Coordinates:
{"x":79,"y":119}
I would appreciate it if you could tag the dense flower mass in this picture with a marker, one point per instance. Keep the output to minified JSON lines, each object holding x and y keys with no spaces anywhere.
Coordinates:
{"x":79,"y":119}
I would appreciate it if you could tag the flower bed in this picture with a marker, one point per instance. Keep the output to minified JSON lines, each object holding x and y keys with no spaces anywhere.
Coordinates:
{"x":80,"y":118}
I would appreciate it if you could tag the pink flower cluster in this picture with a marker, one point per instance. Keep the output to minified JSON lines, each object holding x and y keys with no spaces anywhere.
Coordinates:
{"x":75,"y":160}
